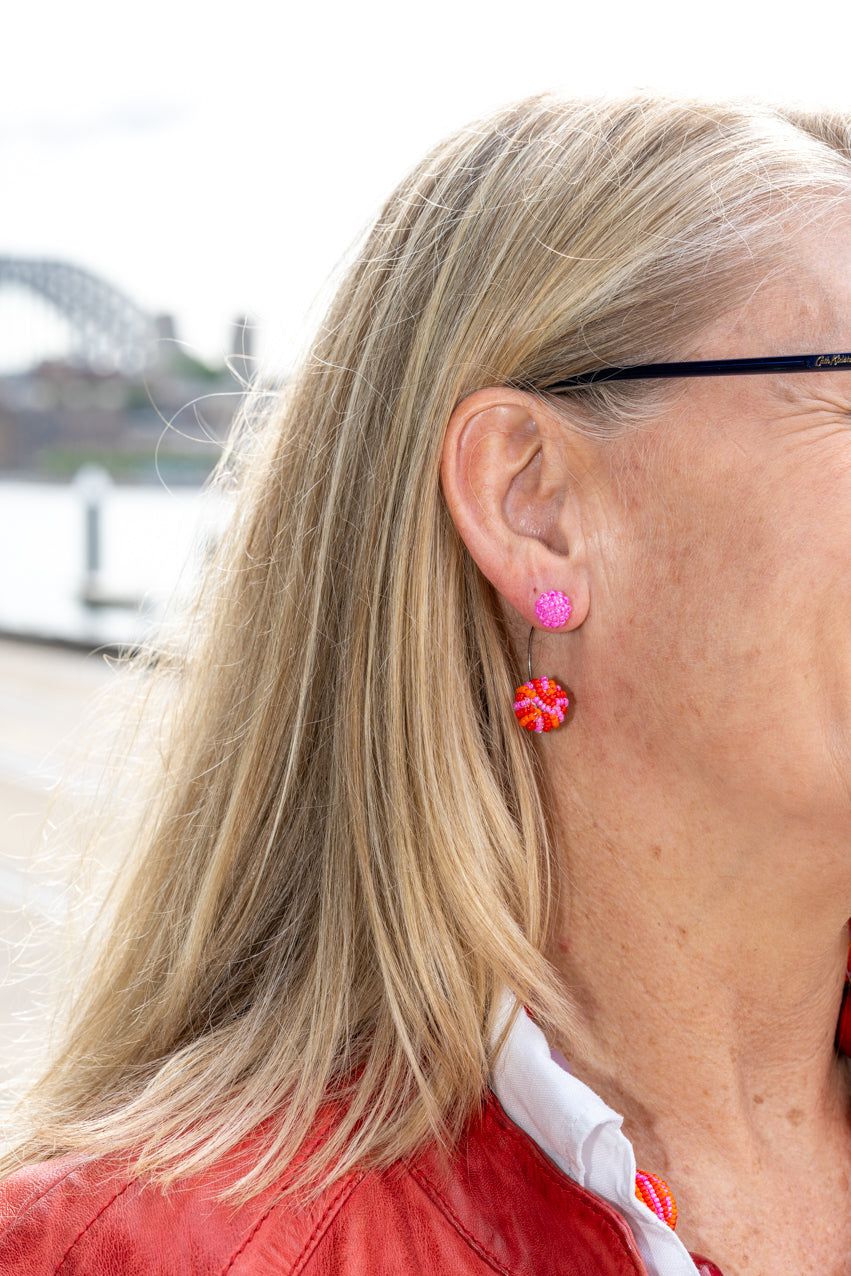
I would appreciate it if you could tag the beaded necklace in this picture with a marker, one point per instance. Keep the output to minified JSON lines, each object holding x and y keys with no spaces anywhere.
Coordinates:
{"x":655,"y":1192}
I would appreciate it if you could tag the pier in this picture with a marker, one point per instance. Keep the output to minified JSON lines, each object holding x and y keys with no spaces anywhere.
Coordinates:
{"x":45,"y":693}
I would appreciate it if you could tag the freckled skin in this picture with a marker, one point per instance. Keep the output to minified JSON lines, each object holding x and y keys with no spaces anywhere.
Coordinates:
{"x":703,"y":791}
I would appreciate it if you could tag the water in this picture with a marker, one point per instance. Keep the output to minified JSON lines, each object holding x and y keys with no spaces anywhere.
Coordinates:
{"x":153,"y":542}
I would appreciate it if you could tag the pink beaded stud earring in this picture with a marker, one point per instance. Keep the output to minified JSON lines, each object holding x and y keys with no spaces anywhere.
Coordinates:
{"x":553,"y":609}
{"x":540,"y":704}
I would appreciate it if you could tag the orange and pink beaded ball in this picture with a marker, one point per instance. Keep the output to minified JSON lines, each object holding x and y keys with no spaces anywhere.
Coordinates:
{"x":540,"y":705}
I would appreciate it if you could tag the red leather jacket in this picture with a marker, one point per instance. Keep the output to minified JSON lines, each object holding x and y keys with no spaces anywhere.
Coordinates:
{"x":498,"y":1204}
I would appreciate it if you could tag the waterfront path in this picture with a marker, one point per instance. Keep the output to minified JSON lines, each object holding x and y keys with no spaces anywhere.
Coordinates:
{"x":44,"y":695}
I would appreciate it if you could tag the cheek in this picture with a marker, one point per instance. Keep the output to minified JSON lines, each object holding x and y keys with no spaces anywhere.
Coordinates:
{"x":698,"y":634}
{"x":723,"y":651}
{"x":719,"y":634}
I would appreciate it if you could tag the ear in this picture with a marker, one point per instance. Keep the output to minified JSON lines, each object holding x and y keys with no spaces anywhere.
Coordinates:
{"x":511,"y":470}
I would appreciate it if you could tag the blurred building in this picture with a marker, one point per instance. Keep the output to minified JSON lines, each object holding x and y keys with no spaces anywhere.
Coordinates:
{"x":123,"y":393}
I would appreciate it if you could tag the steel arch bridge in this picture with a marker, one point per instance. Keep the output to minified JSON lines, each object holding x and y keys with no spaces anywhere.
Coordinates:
{"x":109,"y":332}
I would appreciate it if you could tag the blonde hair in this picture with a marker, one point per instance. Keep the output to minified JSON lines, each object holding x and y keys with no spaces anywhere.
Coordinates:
{"x":345,"y":855}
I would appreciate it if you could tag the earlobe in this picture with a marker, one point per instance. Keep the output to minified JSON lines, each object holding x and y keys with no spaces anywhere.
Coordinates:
{"x":508,"y":484}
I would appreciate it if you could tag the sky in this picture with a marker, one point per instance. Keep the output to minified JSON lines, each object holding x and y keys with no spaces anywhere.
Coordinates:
{"x":214,"y":160}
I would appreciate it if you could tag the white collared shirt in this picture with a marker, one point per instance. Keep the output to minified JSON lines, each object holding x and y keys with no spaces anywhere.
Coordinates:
{"x":575,"y":1128}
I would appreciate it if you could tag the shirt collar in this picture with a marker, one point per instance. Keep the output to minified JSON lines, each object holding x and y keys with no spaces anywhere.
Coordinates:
{"x":580,"y":1133}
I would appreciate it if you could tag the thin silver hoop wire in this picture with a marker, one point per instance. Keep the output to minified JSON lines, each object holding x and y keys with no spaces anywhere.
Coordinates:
{"x":529,"y":659}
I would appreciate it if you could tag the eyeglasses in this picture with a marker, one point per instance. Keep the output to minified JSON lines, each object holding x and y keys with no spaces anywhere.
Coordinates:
{"x":709,"y":368}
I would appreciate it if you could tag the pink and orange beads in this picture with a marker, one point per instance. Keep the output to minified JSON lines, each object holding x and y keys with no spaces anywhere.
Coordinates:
{"x":540,"y":704}
{"x":655,"y":1192}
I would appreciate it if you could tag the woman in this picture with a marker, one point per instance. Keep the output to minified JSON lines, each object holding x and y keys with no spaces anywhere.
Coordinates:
{"x":369,"y":915}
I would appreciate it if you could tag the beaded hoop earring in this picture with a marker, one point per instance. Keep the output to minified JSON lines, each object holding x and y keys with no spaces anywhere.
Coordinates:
{"x":843,"y":1028}
{"x":540,"y":704}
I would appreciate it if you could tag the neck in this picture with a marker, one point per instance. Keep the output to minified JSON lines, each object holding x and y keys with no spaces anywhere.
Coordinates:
{"x":708,"y":973}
